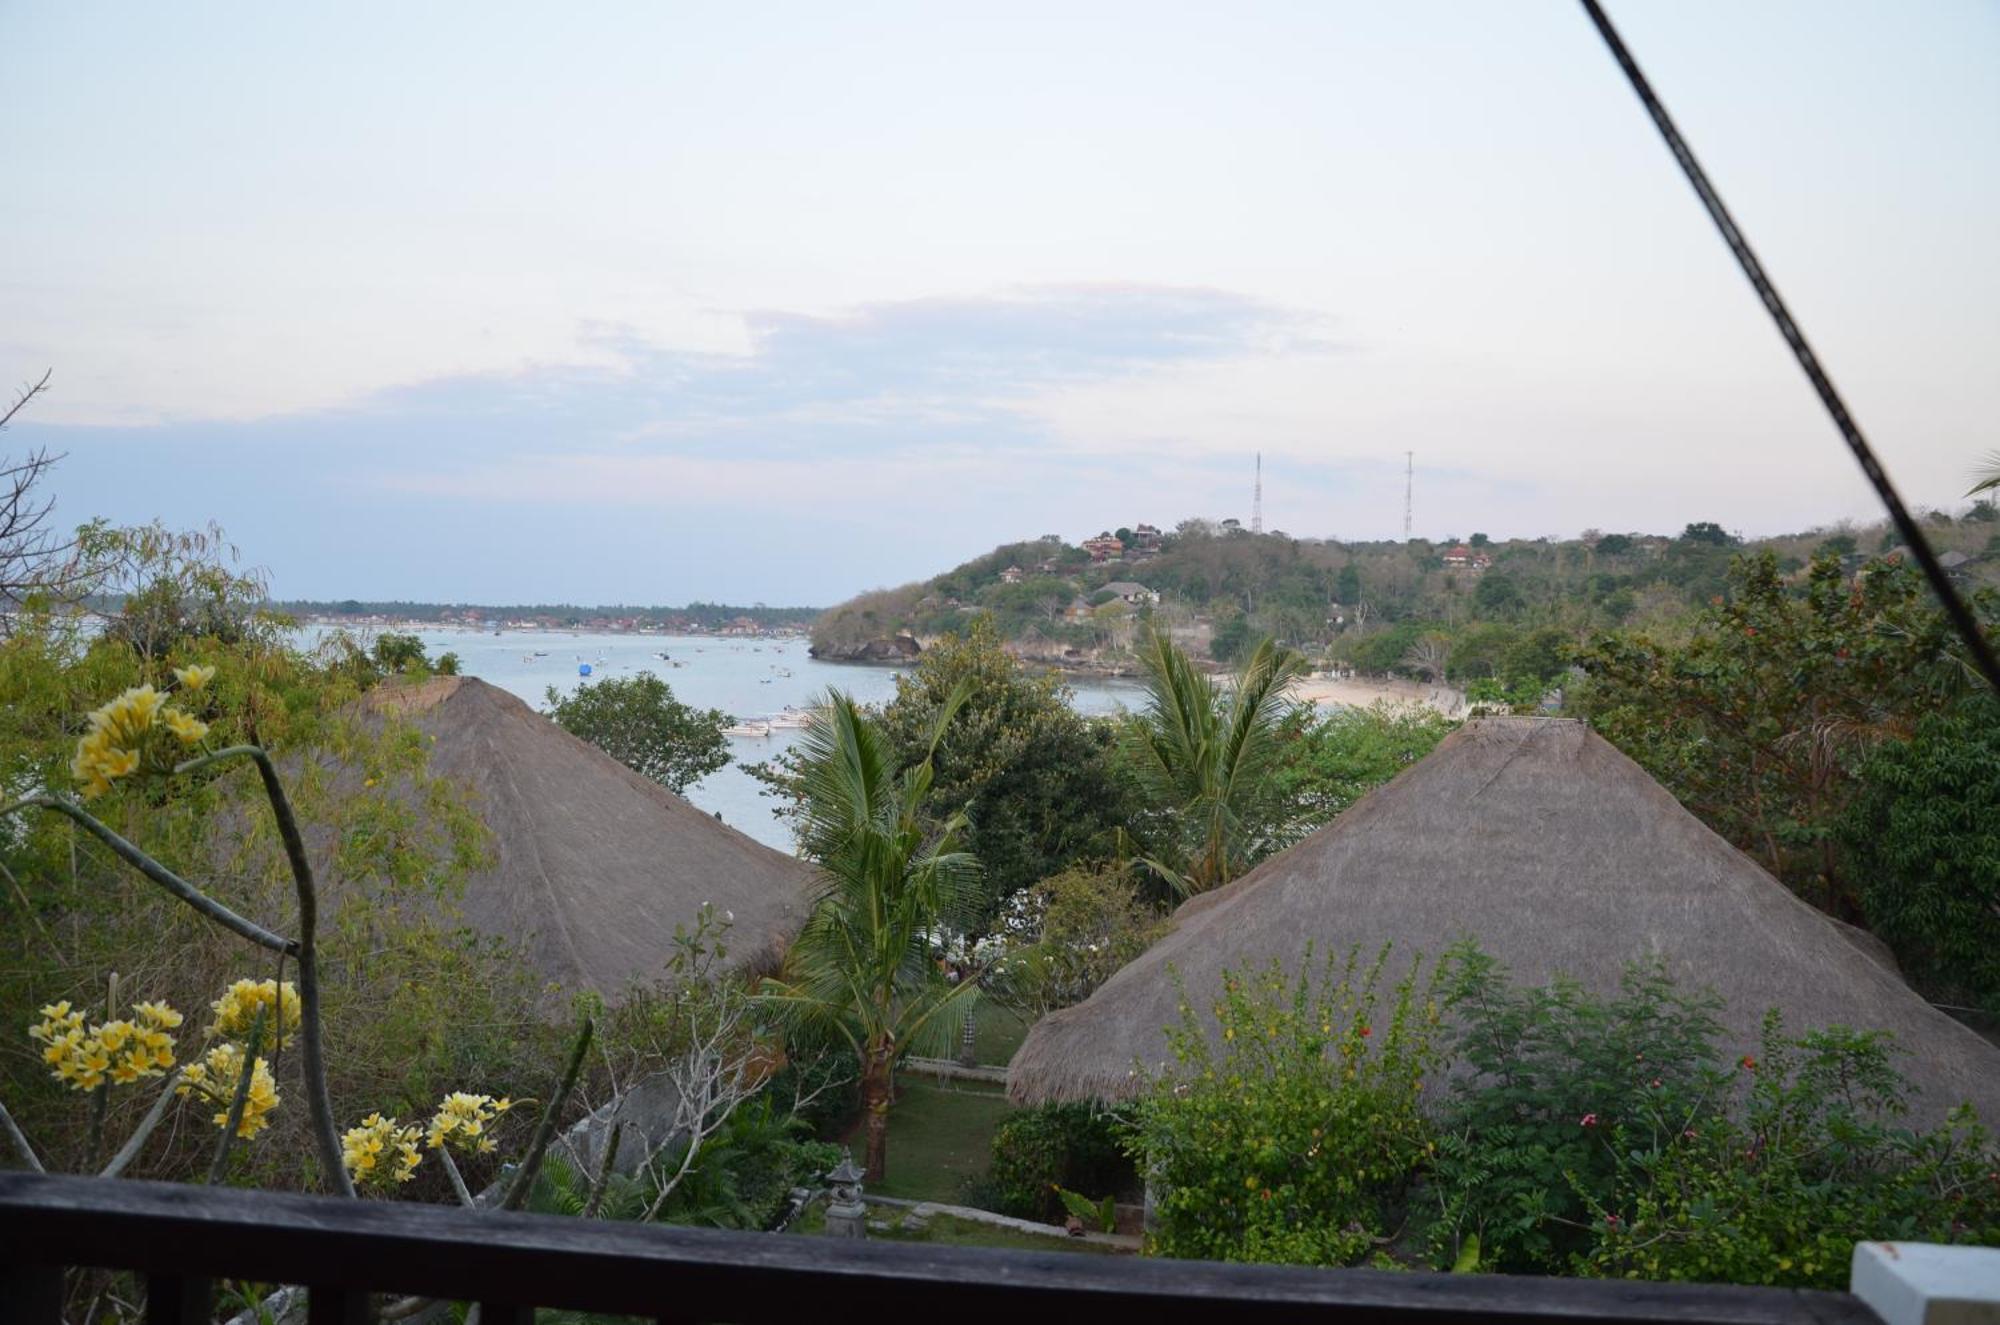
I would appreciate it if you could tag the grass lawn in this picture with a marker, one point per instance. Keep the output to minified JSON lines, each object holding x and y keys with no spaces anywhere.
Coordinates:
{"x":998,"y":1033}
{"x":940,"y":1133}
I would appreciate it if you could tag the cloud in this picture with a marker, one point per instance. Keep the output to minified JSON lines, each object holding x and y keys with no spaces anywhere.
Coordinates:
{"x":903,"y":380}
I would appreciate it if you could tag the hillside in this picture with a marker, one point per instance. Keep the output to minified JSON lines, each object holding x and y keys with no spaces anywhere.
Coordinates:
{"x":1434,"y":608}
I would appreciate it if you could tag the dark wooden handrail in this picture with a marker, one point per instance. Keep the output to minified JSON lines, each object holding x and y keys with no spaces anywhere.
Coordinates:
{"x":182,"y":1238}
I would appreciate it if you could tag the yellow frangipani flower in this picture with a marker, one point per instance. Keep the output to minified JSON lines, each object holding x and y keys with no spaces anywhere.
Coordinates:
{"x":381,"y":1151}
{"x":194,"y":678}
{"x":461,"y":1120}
{"x":121,"y":1052}
{"x":189,"y":728}
{"x":213,"y":1080}
{"x":240,"y":1003}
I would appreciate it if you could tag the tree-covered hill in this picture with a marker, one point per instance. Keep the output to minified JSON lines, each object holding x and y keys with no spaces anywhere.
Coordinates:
{"x":1457,"y":609}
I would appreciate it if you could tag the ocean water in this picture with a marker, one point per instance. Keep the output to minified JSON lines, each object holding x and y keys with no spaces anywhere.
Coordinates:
{"x":749,"y":679}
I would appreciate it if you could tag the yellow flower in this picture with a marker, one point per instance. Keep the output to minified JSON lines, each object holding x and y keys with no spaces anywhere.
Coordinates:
{"x":362,"y":1150}
{"x":189,"y":728}
{"x":131,"y":715}
{"x":119,"y":1051}
{"x":194,"y":678}
{"x":213,"y":1080}
{"x":99,"y":760}
{"x":461,"y":1120}
{"x":241,"y":1002}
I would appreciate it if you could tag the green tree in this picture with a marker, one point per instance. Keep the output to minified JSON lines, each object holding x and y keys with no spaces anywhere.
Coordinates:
{"x":399,"y":653}
{"x":1203,"y":758}
{"x":1614,"y":545}
{"x":1230,"y":640}
{"x":1498,"y":594}
{"x":1759,"y":720}
{"x":637,"y":721}
{"x":1348,"y":584}
{"x":1035,"y":778}
{"x":1344,"y":755}
{"x":1920,"y":838}
{"x":862,"y":972}
{"x":1708,"y":531}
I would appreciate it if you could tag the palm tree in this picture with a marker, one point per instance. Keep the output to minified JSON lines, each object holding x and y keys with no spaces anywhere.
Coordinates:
{"x":1204,"y":758}
{"x":861,"y":971}
{"x":1988,"y":474}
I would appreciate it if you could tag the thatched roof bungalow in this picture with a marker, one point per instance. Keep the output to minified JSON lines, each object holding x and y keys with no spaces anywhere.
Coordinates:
{"x":593,"y":865}
{"x":1559,"y":855}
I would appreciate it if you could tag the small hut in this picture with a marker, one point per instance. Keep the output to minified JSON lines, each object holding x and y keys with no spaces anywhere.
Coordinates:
{"x":593,"y":865}
{"x":1558,"y":854}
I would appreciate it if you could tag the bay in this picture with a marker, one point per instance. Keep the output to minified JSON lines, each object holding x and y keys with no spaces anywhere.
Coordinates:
{"x":752,"y":679}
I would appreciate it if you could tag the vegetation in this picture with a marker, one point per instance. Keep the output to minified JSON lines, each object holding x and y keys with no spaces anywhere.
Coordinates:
{"x":429,"y":1008}
{"x":1759,"y":719}
{"x":1590,"y":1136}
{"x":1039,"y":1152}
{"x":861,"y":972}
{"x":1919,"y":838}
{"x":1069,"y":934}
{"x":637,"y":721}
{"x":1385,"y":606}
{"x":1298,"y":1138}
{"x":1605,"y":1137}
{"x":1035,"y":780}
{"x":1204,"y":759}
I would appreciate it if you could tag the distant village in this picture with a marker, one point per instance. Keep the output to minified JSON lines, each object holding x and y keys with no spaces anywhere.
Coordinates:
{"x":704,"y":619}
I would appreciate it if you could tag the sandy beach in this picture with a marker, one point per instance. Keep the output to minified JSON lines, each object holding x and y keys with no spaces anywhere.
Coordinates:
{"x":1362,"y":691}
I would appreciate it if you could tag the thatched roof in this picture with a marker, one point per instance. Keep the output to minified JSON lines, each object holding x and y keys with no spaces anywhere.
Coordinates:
{"x":1559,"y":855}
{"x":594,"y":865}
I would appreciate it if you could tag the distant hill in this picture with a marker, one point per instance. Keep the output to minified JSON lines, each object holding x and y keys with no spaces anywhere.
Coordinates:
{"x":1219,"y":587}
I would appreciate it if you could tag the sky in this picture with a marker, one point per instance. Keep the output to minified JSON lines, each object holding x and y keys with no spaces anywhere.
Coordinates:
{"x":645,"y":303}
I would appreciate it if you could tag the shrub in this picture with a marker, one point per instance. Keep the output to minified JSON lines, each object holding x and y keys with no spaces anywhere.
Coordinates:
{"x":1553,"y":1071}
{"x":1920,"y":839}
{"x":1075,"y":1146}
{"x":1603,"y":1137}
{"x":1813,"y":1166}
{"x":1296,"y":1135}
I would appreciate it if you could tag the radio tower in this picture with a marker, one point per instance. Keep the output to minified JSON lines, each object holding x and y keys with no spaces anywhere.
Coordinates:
{"x":1409,"y":489}
{"x":1257,"y":499}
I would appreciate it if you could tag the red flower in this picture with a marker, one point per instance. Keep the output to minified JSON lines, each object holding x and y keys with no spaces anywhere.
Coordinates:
{"x":1749,"y":1064}
{"x":1689,"y":1134}
{"x":1656,"y":1083}
{"x":1611,"y":1220}
{"x":1588,"y":1120}
{"x":1365,"y":1032}
{"x":1749,"y":630}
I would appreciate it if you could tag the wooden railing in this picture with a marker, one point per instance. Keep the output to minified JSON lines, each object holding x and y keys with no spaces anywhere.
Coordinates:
{"x":182,"y":1239}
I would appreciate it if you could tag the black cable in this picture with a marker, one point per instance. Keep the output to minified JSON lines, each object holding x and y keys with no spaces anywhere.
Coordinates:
{"x":1913,"y":536}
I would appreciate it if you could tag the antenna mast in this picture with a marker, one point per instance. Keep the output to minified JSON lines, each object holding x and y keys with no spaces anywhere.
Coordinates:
{"x":1257,"y":500}
{"x":1409,"y":489}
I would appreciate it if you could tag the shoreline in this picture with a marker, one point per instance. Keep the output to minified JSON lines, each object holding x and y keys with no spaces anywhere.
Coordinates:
{"x":1366,"y":691}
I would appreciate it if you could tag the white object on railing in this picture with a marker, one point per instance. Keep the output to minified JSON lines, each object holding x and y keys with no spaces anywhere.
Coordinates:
{"x":1921,"y":1283}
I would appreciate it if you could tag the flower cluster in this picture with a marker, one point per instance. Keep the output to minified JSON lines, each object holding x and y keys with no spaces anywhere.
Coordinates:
{"x":381,"y":1152}
{"x":213,"y":1080}
{"x":114,"y":745}
{"x":461,"y":1120}
{"x":120,"y":1051}
{"x":239,"y":1005}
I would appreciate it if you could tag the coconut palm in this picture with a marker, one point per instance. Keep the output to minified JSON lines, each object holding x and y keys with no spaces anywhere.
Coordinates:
{"x":1987,"y":474}
{"x":862,"y":971}
{"x":1204,"y":754}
